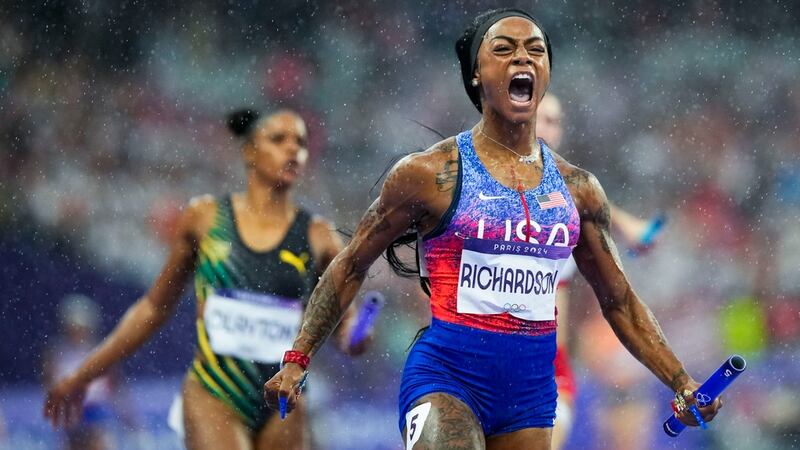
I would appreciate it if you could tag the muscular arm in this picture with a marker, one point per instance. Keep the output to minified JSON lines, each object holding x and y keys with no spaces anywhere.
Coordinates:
{"x":326,"y":244}
{"x":597,"y":258}
{"x":398,"y":207}
{"x":63,"y":402}
{"x":152,"y":310}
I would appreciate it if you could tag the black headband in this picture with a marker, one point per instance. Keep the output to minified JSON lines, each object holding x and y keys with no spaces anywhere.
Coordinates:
{"x":477,"y":38}
{"x":469,"y":59}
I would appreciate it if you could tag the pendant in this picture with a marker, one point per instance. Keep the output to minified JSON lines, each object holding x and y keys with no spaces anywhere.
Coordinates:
{"x":529,"y":159}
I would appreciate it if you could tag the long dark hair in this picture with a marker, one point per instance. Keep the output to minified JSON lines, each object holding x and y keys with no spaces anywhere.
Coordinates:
{"x":403,"y":268}
{"x":409,"y":239}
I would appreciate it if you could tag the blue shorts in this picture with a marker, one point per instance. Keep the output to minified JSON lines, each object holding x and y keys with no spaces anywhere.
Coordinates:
{"x":508,"y":380}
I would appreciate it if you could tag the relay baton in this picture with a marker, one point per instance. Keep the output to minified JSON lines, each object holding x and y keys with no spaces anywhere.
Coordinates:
{"x":709,"y":391}
{"x":373,"y":302}
{"x":654,"y":228}
{"x":282,"y":401}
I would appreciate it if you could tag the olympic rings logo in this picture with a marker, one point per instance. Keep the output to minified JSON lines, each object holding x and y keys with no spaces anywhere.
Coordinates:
{"x":702,"y":399}
{"x":513,"y":307}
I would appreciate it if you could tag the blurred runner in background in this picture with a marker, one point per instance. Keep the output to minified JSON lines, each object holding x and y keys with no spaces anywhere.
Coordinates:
{"x":255,"y":256}
{"x":79,"y":321}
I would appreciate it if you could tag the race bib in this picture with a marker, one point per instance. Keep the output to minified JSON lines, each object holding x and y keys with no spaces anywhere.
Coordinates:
{"x":514,"y":277}
{"x":251,"y":326}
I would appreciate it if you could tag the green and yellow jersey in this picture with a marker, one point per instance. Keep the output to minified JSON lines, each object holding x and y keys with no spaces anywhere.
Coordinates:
{"x":284,"y":276}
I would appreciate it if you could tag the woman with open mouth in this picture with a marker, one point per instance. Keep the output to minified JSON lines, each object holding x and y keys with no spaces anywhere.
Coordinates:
{"x":496,"y":214}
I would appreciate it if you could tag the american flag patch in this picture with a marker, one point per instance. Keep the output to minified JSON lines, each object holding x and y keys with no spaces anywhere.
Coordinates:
{"x":551,"y":200}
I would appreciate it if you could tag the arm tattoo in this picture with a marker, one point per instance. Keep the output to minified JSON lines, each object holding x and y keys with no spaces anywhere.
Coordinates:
{"x":599,"y":218}
{"x":446,"y":179}
{"x":379,"y":215}
{"x":679,"y":379}
{"x":322,"y":314}
{"x":325,"y":310}
{"x":577,"y":178}
{"x":602,"y":220}
{"x":602,"y":217}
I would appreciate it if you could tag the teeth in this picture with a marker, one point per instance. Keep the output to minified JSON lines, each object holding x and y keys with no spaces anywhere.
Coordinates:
{"x":522,"y":76}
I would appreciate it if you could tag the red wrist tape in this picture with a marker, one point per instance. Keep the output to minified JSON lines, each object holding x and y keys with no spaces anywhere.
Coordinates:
{"x":299,"y":358}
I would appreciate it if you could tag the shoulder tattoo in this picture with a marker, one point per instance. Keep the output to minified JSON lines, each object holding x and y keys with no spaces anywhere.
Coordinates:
{"x":446,"y":179}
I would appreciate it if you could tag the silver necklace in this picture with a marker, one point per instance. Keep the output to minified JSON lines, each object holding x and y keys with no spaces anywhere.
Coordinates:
{"x":524,"y":159}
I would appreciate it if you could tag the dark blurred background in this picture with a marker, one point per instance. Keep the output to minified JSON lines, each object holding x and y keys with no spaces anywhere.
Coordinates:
{"x":111,"y":118}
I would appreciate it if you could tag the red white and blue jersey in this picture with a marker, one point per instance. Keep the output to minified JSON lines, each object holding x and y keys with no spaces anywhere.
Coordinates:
{"x":488,"y":268}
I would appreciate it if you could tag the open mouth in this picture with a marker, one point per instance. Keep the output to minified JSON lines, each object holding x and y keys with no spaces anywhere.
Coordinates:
{"x":291,"y":168}
{"x":520,"y":89}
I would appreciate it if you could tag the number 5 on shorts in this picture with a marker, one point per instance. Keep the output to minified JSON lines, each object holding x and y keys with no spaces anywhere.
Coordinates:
{"x":415,"y":421}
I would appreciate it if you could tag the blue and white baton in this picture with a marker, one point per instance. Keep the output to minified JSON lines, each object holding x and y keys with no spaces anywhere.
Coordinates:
{"x":709,"y":391}
{"x":282,"y":403}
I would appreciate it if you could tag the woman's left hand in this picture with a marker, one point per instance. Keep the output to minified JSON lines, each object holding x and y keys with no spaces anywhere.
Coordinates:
{"x":684,"y":399}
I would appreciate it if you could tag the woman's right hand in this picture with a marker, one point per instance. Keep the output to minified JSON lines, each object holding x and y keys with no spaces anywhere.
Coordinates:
{"x":285,"y":383}
{"x":64,"y":402}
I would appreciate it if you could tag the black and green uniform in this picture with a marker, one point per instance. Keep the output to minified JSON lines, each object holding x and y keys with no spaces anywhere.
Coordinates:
{"x":225,"y":262}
